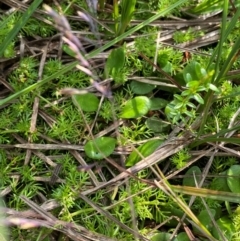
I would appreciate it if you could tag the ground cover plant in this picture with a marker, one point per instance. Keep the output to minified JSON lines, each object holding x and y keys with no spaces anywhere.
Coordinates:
{"x":120,"y":120}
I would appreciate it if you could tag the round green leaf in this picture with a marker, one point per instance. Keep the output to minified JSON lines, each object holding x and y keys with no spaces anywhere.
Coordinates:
{"x":158,"y":103}
{"x":100,"y":147}
{"x":234,"y":180}
{"x":146,"y":149}
{"x":157,"y":125}
{"x":190,"y":71}
{"x":183,"y":237}
{"x":174,"y":210}
{"x":189,"y":180}
{"x":205,"y":219}
{"x":220,"y":183}
{"x":225,"y":224}
{"x":116,"y":58}
{"x":162,"y":237}
{"x":87,"y":102}
{"x":136,"y":107}
{"x":141,"y":88}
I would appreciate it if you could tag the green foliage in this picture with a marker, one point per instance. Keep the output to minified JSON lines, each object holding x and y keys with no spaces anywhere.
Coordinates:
{"x":193,"y":176}
{"x":170,"y":60}
{"x":100,"y":147}
{"x":67,"y":124}
{"x":7,"y":23}
{"x":115,"y":65}
{"x":146,"y":8}
{"x":236,"y":223}
{"x":33,"y":28}
{"x":127,"y":10}
{"x":207,"y":6}
{"x":181,"y":158}
{"x":25,"y":75}
{"x":145,"y":150}
{"x":137,"y":131}
{"x":146,"y":44}
{"x":4,"y":234}
{"x":144,"y":203}
{"x":197,"y":80}
{"x":136,"y":107}
{"x":226,"y":226}
{"x":122,"y":20}
{"x":232,"y":181}
{"x":12,"y":33}
{"x":187,"y":36}
{"x":87,"y":102}
{"x":141,"y":88}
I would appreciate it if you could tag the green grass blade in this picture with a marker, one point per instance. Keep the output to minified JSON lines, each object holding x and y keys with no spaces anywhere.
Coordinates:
{"x":221,"y":41}
{"x":227,"y":31}
{"x":128,"y":8}
{"x":230,"y":60}
{"x":27,"y":14}
{"x":208,"y":99}
{"x":208,"y":193}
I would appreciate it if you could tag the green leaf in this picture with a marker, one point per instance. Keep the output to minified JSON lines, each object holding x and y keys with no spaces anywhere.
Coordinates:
{"x":183,"y":237}
{"x":191,"y":105}
{"x":190,"y":71}
{"x":198,"y":98}
{"x":174,"y":210}
{"x":178,"y":105}
{"x":146,"y":149}
{"x":141,"y":88}
{"x":162,"y":237}
{"x":136,"y":107}
{"x":200,"y":71}
{"x":193,"y":84}
{"x":234,"y":181}
{"x":220,"y":183}
{"x":179,"y":97}
{"x":128,"y":8}
{"x":87,"y":102}
{"x":205,"y":219}
{"x":226,"y":226}
{"x":188,"y":77}
{"x":213,"y":87}
{"x":191,"y":114}
{"x":115,"y":61}
{"x":100,"y":147}
{"x":189,"y":179}
{"x":158,"y":103}
{"x":68,"y":50}
{"x":157,"y":125}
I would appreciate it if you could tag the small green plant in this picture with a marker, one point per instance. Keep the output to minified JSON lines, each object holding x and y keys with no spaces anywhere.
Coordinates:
{"x":187,"y":36}
{"x":197,"y":80}
{"x":181,"y":158}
